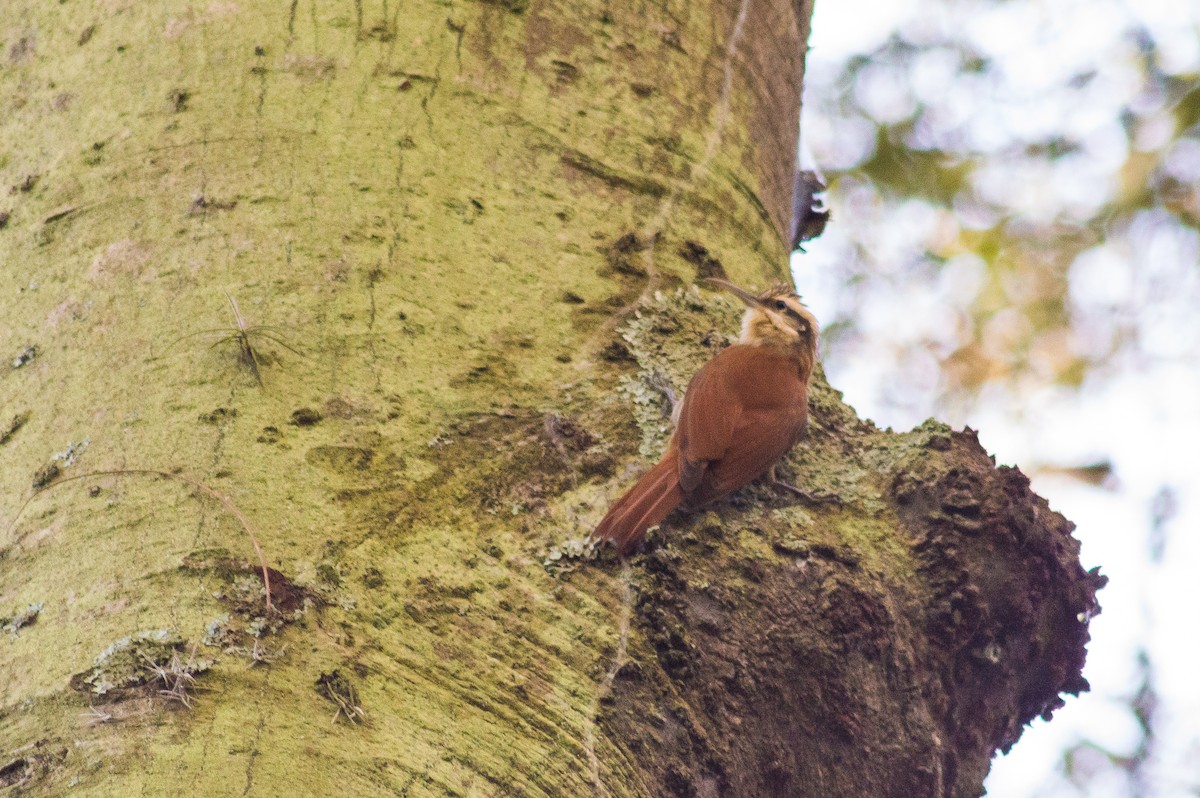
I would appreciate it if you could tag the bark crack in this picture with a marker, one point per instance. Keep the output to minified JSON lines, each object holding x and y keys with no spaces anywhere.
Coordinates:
{"x":254,"y":753}
{"x":373,"y":277}
{"x":437,"y":80}
{"x":260,"y":71}
{"x":606,"y":684}
{"x":218,"y":447}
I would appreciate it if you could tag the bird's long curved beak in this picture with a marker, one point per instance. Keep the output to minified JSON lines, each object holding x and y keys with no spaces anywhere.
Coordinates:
{"x":750,"y":299}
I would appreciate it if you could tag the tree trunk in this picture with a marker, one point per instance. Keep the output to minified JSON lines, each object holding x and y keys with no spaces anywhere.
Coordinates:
{"x":378,"y":288}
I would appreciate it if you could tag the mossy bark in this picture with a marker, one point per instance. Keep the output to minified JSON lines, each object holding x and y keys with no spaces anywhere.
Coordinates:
{"x":458,"y":235}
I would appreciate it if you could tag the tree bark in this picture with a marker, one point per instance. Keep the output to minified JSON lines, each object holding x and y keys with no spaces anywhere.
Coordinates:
{"x":378,"y":288}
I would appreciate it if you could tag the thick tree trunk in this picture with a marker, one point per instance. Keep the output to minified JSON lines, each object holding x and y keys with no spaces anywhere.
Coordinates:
{"x":477,"y":222}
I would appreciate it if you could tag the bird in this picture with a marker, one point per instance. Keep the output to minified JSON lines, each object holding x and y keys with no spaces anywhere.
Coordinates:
{"x":742,"y":412}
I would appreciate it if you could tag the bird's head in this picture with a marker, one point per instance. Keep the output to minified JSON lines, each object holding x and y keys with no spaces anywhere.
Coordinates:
{"x":776,"y":317}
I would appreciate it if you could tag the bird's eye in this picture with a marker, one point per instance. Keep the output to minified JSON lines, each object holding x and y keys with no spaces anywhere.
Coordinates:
{"x":780,"y":304}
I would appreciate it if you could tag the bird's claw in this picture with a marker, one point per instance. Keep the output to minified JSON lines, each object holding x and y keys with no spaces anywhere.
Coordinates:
{"x":808,"y":496}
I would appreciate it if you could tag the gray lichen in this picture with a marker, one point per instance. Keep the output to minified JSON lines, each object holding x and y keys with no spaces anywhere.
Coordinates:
{"x":566,"y":556}
{"x":26,"y":617}
{"x":25,"y":356}
{"x":218,"y":633}
{"x":671,"y":338}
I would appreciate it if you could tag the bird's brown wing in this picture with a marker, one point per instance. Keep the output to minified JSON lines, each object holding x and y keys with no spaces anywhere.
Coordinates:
{"x":741,"y":413}
{"x":759,"y":439}
{"x":706,"y":422}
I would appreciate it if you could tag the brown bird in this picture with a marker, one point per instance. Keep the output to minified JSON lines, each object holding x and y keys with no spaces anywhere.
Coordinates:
{"x":742,"y":412}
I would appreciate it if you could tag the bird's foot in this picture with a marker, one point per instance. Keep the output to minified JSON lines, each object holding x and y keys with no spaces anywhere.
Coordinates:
{"x":808,"y":497}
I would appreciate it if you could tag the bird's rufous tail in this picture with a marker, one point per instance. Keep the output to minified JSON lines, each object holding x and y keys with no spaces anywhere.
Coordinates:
{"x":647,"y":503}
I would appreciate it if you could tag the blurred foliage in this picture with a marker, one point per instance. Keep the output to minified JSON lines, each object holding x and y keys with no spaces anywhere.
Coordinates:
{"x":1015,"y":197}
{"x":1044,"y":169}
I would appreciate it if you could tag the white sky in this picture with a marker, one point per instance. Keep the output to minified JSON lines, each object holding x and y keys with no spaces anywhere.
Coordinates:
{"x":1144,"y":418}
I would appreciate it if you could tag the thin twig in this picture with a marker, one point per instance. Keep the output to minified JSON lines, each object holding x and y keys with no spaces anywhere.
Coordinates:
{"x":96,"y":716}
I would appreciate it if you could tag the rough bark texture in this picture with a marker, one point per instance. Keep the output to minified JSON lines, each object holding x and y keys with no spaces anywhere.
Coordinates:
{"x":479,"y":222}
{"x":888,"y":647}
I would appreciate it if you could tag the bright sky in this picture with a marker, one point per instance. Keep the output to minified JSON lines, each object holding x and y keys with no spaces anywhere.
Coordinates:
{"x":1142,"y":414}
